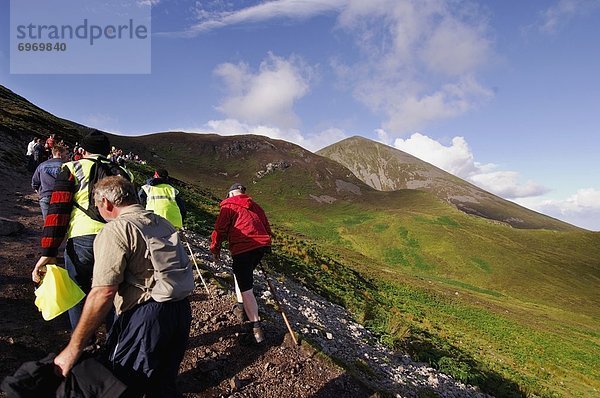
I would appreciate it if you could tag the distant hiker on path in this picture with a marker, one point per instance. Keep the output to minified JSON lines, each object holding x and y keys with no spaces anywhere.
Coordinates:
{"x":244,"y":224}
{"x":49,"y":144}
{"x":45,"y":174}
{"x":163,"y":199}
{"x":68,"y":216}
{"x":29,"y":155}
{"x":39,"y":153}
{"x":148,"y":339}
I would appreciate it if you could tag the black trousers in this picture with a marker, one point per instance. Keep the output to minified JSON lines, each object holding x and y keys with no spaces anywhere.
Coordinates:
{"x":146,"y":345}
{"x":244,"y":265}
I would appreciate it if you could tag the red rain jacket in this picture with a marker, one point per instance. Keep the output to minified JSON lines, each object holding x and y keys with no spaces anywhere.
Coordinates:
{"x":243,"y":223}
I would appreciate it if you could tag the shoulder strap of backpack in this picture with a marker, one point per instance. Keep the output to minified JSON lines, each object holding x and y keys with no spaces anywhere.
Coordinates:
{"x":93,"y":177}
{"x":91,"y":180}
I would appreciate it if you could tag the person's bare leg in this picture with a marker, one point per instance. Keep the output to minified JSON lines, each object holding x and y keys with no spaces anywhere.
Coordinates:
{"x":238,"y":294}
{"x":238,"y":308}
{"x":251,"y":308}
{"x":250,"y":305}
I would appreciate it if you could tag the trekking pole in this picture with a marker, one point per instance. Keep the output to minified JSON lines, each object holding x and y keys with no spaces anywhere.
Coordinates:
{"x":272,"y":289}
{"x":196,"y":264}
{"x":198,"y":269}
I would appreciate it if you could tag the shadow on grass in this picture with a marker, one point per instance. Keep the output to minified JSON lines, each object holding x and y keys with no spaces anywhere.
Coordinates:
{"x":451,"y":360}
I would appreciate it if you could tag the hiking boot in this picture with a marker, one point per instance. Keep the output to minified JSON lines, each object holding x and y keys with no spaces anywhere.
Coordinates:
{"x":257,"y":331}
{"x":240,"y":314}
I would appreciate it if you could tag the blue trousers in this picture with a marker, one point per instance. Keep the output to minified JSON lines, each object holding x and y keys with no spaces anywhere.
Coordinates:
{"x":44,"y":204}
{"x":146,"y":345}
{"x":79,"y":262}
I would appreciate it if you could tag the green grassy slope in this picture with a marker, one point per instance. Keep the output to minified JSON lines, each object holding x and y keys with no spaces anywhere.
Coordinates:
{"x":20,"y":117}
{"x":20,"y":121}
{"x":508,"y":345}
{"x":513,"y":310}
{"x":414,"y":233}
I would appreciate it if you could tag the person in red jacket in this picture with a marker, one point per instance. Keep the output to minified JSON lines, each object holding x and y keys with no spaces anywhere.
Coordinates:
{"x":244,"y":225}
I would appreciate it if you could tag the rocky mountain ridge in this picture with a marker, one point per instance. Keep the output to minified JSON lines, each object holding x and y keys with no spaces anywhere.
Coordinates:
{"x":388,"y":169}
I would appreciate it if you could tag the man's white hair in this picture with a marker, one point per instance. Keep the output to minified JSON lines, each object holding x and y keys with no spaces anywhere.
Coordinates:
{"x":117,"y":190}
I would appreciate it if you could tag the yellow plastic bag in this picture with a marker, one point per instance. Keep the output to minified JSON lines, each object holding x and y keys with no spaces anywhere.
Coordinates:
{"x":57,"y":293}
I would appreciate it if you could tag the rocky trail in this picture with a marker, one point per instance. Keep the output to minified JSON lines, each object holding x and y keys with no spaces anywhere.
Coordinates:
{"x":221,"y":359}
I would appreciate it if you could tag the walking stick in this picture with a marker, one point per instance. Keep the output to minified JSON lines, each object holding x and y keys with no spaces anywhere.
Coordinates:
{"x":272,"y":289}
{"x":196,"y":264}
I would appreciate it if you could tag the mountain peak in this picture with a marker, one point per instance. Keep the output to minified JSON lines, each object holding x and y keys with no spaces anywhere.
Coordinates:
{"x":388,"y":169}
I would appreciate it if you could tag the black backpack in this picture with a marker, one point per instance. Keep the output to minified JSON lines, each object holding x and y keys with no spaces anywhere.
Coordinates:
{"x":101,"y":168}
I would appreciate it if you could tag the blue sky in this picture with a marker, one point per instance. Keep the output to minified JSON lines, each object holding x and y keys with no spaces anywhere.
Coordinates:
{"x":505,"y":94}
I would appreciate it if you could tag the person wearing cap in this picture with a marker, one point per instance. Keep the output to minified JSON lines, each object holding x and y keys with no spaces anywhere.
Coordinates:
{"x":243,"y":223}
{"x":163,"y":199}
{"x":67,"y":218}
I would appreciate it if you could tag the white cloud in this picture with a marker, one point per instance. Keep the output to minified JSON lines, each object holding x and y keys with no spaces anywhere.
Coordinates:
{"x":267,"y":96}
{"x":325,"y":138}
{"x":581,"y":209}
{"x":150,"y":3}
{"x":410,"y":112}
{"x":506,"y":184}
{"x":564,"y":11}
{"x":455,"y":48}
{"x":312,"y":142}
{"x":458,"y":159}
{"x":290,"y":9}
{"x":419,"y":60}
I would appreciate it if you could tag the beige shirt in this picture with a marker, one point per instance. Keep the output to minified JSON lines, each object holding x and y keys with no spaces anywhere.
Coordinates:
{"x":119,"y":249}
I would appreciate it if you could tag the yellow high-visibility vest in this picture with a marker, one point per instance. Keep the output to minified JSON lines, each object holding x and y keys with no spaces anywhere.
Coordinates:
{"x":161,"y":200}
{"x":80,"y":223}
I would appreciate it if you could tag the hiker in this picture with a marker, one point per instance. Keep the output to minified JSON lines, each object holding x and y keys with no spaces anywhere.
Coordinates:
{"x":38,"y":152}
{"x":78,"y":154}
{"x":244,"y":224}
{"x":50,"y":141}
{"x":67,"y":217}
{"x":48,"y":145}
{"x":163,"y":199}
{"x":29,"y":155}
{"x":148,"y":339}
{"x":45,"y":175}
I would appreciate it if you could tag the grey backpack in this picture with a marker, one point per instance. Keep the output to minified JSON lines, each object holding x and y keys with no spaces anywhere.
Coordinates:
{"x":173,"y":274}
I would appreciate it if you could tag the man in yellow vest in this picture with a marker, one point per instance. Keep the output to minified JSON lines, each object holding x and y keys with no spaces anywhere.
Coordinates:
{"x":163,"y":199}
{"x":69,"y":216}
